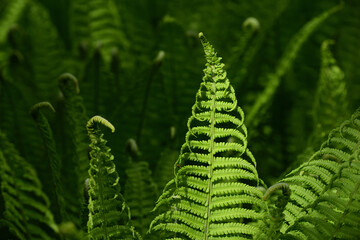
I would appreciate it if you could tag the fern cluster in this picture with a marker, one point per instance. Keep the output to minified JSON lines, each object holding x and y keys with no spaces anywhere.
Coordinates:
{"x":292,"y":65}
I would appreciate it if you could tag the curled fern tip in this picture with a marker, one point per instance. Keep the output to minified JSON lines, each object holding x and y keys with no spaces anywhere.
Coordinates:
{"x":99,"y":119}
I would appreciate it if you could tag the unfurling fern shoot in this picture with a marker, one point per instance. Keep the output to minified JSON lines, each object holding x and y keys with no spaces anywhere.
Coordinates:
{"x":108,"y":213}
{"x":213,"y":194}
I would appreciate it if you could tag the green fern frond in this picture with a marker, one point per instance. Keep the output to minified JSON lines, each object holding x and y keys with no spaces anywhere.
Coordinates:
{"x":11,"y":11}
{"x":325,"y":190}
{"x":330,"y":106}
{"x":27,"y":211}
{"x":108,"y":213}
{"x":284,"y":64}
{"x":106,"y":27}
{"x":77,"y":164}
{"x":212,"y":196}
{"x":52,"y":155}
{"x":48,"y":57}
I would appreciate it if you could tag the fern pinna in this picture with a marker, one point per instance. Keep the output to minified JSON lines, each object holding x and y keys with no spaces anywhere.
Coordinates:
{"x":214,"y":194}
{"x":108,"y":213}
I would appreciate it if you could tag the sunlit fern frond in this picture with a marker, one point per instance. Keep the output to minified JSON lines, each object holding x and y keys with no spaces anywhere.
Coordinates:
{"x":108,"y":213}
{"x":27,"y":211}
{"x":324,"y":202}
{"x":213,"y":194}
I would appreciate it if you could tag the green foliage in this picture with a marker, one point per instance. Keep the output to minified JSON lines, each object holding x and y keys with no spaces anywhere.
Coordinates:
{"x":27,"y":212}
{"x":292,"y":64}
{"x":108,"y":213}
{"x":325,"y":190}
{"x":52,"y":155}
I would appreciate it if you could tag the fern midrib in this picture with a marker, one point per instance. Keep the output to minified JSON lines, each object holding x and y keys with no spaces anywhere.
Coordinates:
{"x":212,"y":134}
{"x":101,"y":190}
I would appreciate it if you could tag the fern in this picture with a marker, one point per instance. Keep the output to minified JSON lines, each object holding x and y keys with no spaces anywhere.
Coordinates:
{"x":331,"y":96}
{"x":106,"y":26}
{"x":108,"y":213}
{"x":10,"y":12}
{"x":211,"y":196}
{"x":27,"y":211}
{"x":284,"y":64}
{"x":52,"y":155}
{"x":77,"y":164}
{"x":326,"y":187}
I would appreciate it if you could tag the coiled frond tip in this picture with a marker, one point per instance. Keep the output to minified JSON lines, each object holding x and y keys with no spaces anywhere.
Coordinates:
{"x":99,"y":119}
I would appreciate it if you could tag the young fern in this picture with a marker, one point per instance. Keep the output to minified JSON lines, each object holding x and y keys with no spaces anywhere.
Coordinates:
{"x":324,"y":203}
{"x":27,"y":212}
{"x":76,"y":165}
{"x":52,"y":155}
{"x":108,"y":213}
{"x":212,"y":196}
{"x":330,"y":105}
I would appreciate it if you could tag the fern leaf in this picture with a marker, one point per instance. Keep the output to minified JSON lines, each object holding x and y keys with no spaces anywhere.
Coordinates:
{"x":77,"y":164}
{"x":52,"y":155}
{"x":106,"y":27}
{"x":208,"y":198}
{"x":284,"y":64}
{"x":26,"y":206}
{"x":331,"y":96}
{"x":108,"y":213}
{"x":9,"y":15}
{"x":325,"y":190}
